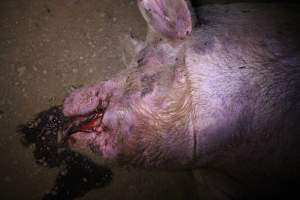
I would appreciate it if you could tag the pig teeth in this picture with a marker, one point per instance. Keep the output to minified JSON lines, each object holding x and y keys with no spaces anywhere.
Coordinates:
{"x":87,"y":124}
{"x":99,"y":129}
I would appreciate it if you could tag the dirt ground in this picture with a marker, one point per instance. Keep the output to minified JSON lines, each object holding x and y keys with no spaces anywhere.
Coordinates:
{"x":46,"y":48}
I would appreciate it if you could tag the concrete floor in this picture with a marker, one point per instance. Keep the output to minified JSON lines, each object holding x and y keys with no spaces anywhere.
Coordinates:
{"x":46,"y":48}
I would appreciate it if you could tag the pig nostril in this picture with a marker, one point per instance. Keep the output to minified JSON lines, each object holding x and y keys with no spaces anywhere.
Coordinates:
{"x":105,"y":128}
{"x":104,"y":104}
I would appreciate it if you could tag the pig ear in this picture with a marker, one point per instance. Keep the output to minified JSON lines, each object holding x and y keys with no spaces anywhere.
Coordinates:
{"x":170,"y":18}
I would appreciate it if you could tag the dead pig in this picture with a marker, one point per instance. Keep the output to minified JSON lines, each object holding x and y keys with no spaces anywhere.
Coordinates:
{"x":224,"y":96}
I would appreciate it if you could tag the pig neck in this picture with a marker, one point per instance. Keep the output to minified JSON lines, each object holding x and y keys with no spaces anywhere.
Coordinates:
{"x":238,"y":104}
{"x":213,"y":96}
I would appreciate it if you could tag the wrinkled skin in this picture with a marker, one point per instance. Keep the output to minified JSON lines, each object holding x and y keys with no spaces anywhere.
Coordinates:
{"x":225,"y":96}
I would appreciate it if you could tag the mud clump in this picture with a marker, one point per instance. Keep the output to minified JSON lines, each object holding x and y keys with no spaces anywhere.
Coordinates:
{"x":78,"y":174}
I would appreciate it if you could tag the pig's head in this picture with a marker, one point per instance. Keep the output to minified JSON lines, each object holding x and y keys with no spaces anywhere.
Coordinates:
{"x":143,"y":116}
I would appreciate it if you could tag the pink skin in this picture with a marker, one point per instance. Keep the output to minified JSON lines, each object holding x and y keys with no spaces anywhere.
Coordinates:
{"x":85,"y":100}
{"x":138,"y":96}
{"x":170,"y":18}
{"x":226,"y":97}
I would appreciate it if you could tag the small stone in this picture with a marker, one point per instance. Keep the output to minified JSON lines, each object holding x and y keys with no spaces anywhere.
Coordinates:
{"x":44,"y":71}
{"x":74,"y":70}
{"x":15,"y":162}
{"x":7,"y":179}
{"x":24,"y":82}
{"x":21,"y":70}
{"x":52,"y":100}
{"x":102,"y":15}
{"x":47,"y":132}
{"x":64,"y":172}
{"x":114,"y":19}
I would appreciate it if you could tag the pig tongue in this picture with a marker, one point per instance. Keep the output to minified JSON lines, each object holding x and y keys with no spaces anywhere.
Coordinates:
{"x":92,"y":124}
{"x":87,"y":124}
{"x":84,"y":123}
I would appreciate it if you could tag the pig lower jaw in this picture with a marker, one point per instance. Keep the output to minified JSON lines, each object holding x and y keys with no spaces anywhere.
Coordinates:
{"x":99,"y":146}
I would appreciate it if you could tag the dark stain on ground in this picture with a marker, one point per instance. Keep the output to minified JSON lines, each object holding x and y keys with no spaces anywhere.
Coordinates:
{"x":78,"y":174}
{"x":48,"y":10}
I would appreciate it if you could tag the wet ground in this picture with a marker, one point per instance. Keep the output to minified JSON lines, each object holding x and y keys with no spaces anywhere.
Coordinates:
{"x":47,"y":48}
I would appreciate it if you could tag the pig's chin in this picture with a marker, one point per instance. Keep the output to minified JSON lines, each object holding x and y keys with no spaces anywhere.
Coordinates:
{"x":98,"y":146}
{"x":86,"y":134}
{"x":80,"y":141}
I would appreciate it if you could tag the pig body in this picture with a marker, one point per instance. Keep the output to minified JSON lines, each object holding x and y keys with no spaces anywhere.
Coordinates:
{"x":244,"y":72}
{"x":246,"y":78}
{"x":224,"y":97}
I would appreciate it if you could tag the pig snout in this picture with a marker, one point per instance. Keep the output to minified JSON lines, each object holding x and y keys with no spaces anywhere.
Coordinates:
{"x":85,"y":100}
{"x":142,"y":105}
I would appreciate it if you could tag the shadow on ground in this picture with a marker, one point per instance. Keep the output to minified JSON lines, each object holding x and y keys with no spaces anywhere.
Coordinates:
{"x":77,"y":174}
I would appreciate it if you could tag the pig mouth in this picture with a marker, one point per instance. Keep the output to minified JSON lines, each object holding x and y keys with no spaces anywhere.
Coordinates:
{"x":88,"y":123}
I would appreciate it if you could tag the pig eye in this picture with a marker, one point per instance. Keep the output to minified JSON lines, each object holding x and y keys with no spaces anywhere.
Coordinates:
{"x":140,"y":61}
{"x":148,"y":83}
